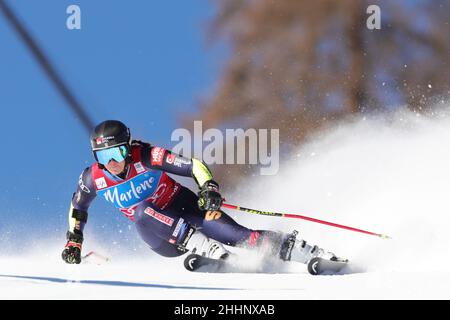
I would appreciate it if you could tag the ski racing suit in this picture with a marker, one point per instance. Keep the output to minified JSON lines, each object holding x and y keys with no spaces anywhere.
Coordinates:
{"x":166,"y":214}
{"x":161,"y":208}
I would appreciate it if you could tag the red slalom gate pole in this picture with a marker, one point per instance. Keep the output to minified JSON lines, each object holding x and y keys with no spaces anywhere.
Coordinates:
{"x":297,"y":216}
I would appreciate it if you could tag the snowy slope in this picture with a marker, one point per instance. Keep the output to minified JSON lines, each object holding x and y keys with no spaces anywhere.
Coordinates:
{"x":155,"y":280}
{"x":384,"y":175}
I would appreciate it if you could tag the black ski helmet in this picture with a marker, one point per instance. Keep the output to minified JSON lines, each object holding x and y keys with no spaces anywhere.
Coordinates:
{"x":110,"y":133}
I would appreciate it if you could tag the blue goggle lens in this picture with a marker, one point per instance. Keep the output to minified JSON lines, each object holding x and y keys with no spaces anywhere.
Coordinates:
{"x":116,"y":153}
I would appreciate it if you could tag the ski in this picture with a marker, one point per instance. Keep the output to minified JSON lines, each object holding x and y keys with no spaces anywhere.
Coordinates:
{"x":94,"y":257}
{"x":198,"y":263}
{"x":319,"y":266}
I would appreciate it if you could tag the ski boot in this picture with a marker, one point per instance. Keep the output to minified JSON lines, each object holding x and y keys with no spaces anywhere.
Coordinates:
{"x":206,"y":254}
{"x":197,"y":243}
{"x":296,"y":250}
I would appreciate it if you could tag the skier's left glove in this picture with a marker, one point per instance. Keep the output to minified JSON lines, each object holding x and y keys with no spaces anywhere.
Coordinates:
{"x":72,"y":252}
{"x":209,"y":196}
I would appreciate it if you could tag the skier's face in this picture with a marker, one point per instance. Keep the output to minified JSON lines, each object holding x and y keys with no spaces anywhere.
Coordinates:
{"x":115,"y":167}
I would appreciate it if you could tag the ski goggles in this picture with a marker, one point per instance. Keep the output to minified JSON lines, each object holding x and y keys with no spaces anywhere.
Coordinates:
{"x":117,"y":154}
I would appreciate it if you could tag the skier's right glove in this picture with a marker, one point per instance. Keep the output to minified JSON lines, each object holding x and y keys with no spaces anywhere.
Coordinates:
{"x":209,"y":196}
{"x":72,"y":252}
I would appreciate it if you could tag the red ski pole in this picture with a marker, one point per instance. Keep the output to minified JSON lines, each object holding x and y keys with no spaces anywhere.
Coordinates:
{"x":297,"y":216}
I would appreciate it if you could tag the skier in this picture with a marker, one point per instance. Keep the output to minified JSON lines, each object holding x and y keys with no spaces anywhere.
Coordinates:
{"x":170,"y":218}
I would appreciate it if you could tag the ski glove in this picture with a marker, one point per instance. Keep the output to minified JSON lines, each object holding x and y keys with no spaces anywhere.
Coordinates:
{"x":209,"y":196}
{"x":72,"y":252}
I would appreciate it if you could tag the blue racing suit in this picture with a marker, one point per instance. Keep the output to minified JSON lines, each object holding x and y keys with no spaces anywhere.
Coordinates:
{"x":159,"y":206}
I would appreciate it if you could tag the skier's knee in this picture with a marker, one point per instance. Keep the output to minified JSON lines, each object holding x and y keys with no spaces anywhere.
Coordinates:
{"x":212,"y":215}
{"x":168,"y":250}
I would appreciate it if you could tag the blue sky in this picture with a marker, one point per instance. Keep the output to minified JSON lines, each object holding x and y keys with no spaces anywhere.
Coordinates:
{"x":143,"y":62}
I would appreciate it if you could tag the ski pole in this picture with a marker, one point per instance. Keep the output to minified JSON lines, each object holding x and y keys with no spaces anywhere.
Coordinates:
{"x":297,"y":216}
{"x":95,"y":254}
